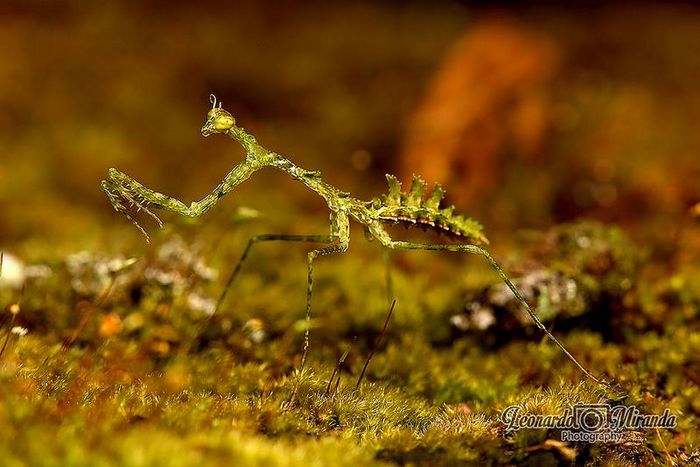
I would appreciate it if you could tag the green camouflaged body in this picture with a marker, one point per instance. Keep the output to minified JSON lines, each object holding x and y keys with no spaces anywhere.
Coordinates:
{"x":413,"y":209}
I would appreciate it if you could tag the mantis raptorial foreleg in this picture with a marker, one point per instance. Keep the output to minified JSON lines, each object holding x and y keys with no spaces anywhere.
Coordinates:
{"x":398,"y":245}
{"x":120,"y":187}
{"x":127,"y":195}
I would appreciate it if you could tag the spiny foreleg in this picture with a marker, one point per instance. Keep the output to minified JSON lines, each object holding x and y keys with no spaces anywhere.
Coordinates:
{"x":129,"y":196}
{"x":481,"y":252}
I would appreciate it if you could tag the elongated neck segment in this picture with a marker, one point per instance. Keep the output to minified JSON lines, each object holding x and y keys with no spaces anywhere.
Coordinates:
{"x":221,"y":121}
{"x":258,"y":157}
{"x":254,"y":153}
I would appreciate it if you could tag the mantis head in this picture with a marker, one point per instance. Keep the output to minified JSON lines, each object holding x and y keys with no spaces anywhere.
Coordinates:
{"x":218,"y":119}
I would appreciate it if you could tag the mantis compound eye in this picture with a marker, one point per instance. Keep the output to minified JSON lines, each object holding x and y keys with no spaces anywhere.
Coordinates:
{"x":222,"y":120}
{"x":218,"y":119}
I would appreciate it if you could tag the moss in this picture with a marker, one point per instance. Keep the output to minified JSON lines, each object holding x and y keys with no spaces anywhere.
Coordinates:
{"x":151,"y":379}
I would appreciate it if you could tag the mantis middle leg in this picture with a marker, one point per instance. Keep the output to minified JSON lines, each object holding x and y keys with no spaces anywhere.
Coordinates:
{"x":340,"y":230}
{"x":338,"y":242}
{"x":337,"y":248}
{"x":267,"y":238}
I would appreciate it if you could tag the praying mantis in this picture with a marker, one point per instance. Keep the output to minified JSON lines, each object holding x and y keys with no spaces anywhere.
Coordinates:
{"x":409,"y":208}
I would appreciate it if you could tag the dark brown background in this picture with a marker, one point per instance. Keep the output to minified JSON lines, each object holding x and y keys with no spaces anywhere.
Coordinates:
{"x":528,"y":116}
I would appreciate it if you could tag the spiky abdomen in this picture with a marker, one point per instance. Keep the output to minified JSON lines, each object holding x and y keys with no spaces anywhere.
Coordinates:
{"x":457,"y":227}
{"x":412,"y":210}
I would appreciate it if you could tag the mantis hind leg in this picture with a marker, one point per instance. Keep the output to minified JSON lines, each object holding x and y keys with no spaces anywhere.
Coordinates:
{"x":476,"y":250}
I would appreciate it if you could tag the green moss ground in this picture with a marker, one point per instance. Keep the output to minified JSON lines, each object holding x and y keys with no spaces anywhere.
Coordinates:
{"x":151,"y":380}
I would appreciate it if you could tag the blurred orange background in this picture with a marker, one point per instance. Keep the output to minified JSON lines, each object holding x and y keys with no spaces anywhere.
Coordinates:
{"x":528,"y":116}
